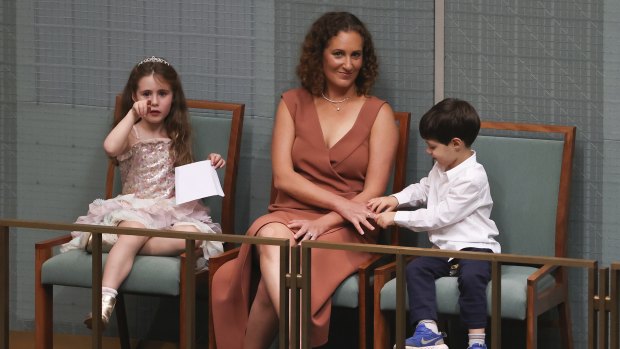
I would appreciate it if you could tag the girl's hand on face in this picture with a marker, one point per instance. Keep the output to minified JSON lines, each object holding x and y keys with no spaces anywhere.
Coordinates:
{"x":383,"y":204}
{"x":385,"y":219}
{"x":307,"y":229}
{"x":216,"y":160}
{"x":141,"y":108}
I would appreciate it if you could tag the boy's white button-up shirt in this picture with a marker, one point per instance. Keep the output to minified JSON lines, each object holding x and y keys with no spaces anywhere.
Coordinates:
{"x":458,"y":207}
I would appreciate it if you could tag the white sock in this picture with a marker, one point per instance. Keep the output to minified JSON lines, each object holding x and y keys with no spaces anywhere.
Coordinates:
{"x":109,"y":291}
{"x":476,"y":338}
{"x":430,"y":324}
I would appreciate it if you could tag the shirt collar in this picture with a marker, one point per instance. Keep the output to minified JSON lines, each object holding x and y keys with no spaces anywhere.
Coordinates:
{"x":468,"y":163}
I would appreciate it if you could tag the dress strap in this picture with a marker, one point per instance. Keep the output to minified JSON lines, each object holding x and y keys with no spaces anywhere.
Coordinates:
{"x":135,"y":131}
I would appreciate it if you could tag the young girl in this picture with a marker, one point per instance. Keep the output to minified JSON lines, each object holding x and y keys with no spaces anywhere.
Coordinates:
{"x":149,"y":142}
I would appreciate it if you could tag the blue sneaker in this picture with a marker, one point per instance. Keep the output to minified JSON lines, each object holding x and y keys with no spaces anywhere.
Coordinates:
{"x":423,"y":338}
{"x":478,"y":346}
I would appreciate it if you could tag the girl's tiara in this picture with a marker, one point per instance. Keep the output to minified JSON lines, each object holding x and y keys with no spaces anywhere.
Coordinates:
{"x":153,"y":59}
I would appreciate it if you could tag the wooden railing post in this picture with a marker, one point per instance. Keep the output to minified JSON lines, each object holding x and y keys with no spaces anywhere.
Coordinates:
{"x":592,"y":282}
{"x":4,"y":286}
{"x":190,"y":295}
{"x":614,"y":306}
{"x":289,"y":330}
{"x":96,"y":291}
{"x":600,"y":305}
{"x":496,"y":303}
{"x":400,"y":302}
{"x":306,"y":262}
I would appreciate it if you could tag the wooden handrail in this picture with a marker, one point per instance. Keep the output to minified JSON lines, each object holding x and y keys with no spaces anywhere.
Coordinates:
{"x":302,"y":281}
{"x":496,"y":260}
{"x":97,"y":230}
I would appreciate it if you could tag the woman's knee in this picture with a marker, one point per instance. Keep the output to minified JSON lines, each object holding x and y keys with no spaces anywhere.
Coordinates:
{"x":275,"y":230}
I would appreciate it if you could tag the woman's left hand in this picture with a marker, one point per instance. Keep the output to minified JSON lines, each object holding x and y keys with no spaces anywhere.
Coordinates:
{"x":217,"y":160}
{"x":307,"y":229}
{"x":357,"y":213}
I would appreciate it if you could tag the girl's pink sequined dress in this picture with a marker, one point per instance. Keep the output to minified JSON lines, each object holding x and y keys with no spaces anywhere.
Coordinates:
{"x":147,"y":177}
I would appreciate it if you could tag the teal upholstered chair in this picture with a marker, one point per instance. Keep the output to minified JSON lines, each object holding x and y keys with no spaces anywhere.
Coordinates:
{"x":216,"y":128}
{"x":355,"y":292}
{"x":529,"y":171}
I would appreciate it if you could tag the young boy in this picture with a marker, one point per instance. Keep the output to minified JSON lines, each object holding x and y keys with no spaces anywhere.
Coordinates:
{"x":457,"y":217}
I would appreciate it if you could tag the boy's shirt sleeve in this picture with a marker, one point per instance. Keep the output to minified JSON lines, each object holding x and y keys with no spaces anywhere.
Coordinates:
{"x":461,"y":201}
{"x":414,"y":195}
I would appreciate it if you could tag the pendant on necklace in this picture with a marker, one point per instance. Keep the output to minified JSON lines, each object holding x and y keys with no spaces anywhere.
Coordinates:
{"x":337,"y":108}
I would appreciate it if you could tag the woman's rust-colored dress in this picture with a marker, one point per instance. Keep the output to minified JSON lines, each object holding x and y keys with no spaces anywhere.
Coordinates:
{"x":340,"y":169}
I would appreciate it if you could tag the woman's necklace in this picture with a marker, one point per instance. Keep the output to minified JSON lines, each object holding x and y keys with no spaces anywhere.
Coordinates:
{"x":335,"y":104}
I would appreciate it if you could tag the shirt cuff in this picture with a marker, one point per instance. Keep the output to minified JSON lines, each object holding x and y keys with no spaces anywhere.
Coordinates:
{"x":401,"y":218}
{"x":401,"y":198}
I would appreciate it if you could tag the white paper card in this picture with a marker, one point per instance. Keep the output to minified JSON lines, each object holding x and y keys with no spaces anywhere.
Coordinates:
{"x":196,"y":181}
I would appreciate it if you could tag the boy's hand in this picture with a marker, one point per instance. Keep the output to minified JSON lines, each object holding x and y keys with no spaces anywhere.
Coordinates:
{"x":385,"y":219}
{"x":217,"y":160}
{"x":383,"y":204}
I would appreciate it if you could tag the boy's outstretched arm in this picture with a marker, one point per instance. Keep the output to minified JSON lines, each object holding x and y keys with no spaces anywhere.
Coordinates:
{"x":385,"y":219}
{"x":383,"y":204}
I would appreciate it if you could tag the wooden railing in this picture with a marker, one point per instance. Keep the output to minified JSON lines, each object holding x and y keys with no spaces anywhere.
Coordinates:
{"x":496,"y":260}
{"x":190,"y":304}
{"x":603,"y":284}
{"x":613,"y":306}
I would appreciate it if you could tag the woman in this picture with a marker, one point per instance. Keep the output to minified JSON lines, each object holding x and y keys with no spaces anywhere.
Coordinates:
{"x":333,"y":147}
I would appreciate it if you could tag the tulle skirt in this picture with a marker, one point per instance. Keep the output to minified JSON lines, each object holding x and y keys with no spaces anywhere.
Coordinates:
{"x":152,"y":213}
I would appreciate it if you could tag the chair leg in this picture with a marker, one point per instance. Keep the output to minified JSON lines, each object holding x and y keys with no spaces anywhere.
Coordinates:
{"x":381,"y":336}
{"x":531,"y":337}
{"x":182,"y":339}
{"x":121,"y":320}
{"x":565,"y":325}
{"x":43,"y":315}
{"x":362,"y":326}
{"x":212,"y":344}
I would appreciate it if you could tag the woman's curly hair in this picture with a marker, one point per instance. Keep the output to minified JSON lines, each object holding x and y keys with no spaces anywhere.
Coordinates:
{"x":310,"y":68}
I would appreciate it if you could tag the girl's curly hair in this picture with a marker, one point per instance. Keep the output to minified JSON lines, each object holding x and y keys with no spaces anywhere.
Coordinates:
{"x":310,"y":68}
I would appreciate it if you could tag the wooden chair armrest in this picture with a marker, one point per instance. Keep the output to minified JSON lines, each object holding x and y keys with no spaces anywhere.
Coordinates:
{"x":540,"y":273}
{"x":373,"y":263}
{"x":216,"y":262}
{"x":198,"y":252}
{"x":43,"y":250}
{"x":383,"y":274}
{"x":366,"y":270}
{"x":539,"y":302}
{"x":49,"y":243}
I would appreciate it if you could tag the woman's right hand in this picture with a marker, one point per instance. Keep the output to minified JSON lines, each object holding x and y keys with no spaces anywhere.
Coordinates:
{"x":383,"y":204}
{"x":141,"y":108}
{"x":308,"y":229}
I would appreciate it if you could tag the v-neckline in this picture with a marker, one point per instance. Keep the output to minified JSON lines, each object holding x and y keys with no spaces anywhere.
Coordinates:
{"x":322,"y":134}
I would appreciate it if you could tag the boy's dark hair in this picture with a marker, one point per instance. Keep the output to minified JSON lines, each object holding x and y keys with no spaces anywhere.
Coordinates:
{"x":448,"y":119}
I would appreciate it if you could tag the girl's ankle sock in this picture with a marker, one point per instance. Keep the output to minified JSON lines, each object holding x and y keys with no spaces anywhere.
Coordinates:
{"x":109,"y":291}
